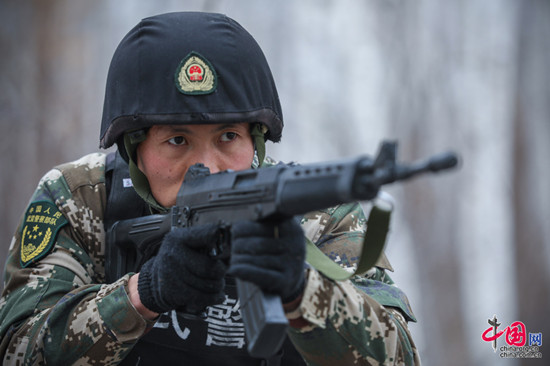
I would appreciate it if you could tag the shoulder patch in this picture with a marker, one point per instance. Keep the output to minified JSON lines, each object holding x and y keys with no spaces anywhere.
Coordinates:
{"x":42,"y":222}
{"x":195,"y":75}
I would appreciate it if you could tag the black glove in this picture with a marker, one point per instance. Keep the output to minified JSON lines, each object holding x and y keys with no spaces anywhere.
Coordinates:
{"x":270,"y":255}
{"x":182,"y":275}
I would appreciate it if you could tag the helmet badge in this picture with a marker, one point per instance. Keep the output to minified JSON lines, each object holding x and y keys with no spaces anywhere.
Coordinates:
{"x":195,"y":75}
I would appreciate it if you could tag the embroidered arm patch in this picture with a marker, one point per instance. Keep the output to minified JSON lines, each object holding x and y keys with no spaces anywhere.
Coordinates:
{"x":42,"y":222}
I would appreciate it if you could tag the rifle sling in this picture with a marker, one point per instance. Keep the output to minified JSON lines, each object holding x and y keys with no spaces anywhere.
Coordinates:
{"x":373,"y":245}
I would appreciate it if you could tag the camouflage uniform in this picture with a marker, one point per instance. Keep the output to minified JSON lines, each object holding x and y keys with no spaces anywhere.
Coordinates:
{"x":57,"y":309}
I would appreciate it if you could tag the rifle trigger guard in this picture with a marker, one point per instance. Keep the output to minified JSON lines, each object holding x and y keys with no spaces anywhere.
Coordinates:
{"x":221,"y":249}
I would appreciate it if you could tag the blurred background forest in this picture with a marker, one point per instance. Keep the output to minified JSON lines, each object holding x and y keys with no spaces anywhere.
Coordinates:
{"x":468,"y":75}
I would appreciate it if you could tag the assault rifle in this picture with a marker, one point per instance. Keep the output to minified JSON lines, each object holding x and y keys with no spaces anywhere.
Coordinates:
{"x":261,"y":194}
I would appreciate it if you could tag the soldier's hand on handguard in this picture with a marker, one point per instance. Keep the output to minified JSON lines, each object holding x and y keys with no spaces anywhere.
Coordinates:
{"x":270,"y":255}
{"x":182,"y":275}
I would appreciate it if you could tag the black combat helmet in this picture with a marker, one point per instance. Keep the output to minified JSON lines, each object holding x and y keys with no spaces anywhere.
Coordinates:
{"x":188,"y":68}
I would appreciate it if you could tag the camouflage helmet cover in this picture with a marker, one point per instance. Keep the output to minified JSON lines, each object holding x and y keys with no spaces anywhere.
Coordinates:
{"x":142,"y":84}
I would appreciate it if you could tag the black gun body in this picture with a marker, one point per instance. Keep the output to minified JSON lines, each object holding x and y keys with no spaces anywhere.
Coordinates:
{"x":269,"y":193}
{"x":259,"y":194}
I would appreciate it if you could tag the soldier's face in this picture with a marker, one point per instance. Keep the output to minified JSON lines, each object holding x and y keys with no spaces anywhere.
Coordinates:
{"x":169,"y":151}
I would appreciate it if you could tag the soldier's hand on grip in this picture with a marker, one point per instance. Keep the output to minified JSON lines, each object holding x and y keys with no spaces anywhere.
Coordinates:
{"x":182,"y":275}
{"x":270,"y":255}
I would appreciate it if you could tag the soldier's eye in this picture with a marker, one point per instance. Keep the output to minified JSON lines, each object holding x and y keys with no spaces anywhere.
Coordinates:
{"x":178,"y":140}
{"x":228,"y":136}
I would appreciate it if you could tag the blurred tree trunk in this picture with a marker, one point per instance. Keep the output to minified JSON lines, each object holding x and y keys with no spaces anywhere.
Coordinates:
{"x":531,"y":165}
{"x":51,"y":96}
{"x":24,"y":134}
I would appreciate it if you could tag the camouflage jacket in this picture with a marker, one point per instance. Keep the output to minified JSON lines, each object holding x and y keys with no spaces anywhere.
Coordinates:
{"x":57,"y":309}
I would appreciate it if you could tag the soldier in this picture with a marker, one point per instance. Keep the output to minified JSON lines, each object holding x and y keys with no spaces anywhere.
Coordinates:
{"x":185,"y":88}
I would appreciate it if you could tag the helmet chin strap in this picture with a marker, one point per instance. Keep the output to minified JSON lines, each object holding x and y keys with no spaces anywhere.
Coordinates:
{"x":258,"y":132}
{"x":139,"y":180}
